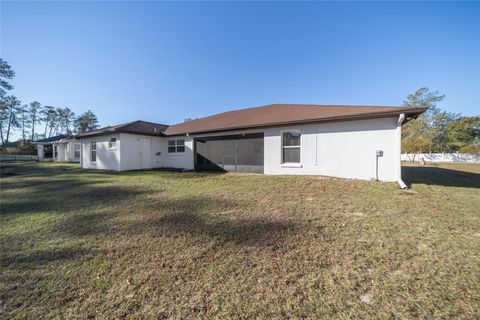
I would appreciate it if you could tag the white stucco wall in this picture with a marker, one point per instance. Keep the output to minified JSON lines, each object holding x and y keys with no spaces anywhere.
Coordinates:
{"x":178,"y":160}
{"x":132,"y":150}
{"x":62,"y":148}
{"x":40,"y":152}
{"x":338,"y":149}
{"x":107,"y":159}
{"x":65,"y":151}
{"x":129,"y":154}
{"x":342,"y":149}
{"x":69,"y":152}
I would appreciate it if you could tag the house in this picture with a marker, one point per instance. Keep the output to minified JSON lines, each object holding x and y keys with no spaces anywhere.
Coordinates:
{"x":13,"y":147}
{"x":63,"y":148}
{"x":360,"y":142}
{"x":131,"y":146}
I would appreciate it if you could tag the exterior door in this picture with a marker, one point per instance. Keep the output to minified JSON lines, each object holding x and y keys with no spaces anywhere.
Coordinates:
{"x":145,"y":153}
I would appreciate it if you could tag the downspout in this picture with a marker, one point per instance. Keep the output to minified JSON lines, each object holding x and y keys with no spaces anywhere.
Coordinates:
{"x":402,"y":184}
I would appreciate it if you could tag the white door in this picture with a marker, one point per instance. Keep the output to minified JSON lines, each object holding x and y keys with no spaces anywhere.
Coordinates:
{"x":145,"y":153}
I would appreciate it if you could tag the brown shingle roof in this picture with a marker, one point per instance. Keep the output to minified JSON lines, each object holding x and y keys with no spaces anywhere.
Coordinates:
{"x":135,"y":127}
{"x":280,"y":114}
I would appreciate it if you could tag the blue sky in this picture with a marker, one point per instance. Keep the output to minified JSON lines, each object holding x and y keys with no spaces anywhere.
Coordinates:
{"x":165,"y":61}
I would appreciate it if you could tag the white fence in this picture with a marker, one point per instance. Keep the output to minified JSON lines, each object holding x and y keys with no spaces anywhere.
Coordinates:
{"x":441,"y":157}
{"x":17,"y":157}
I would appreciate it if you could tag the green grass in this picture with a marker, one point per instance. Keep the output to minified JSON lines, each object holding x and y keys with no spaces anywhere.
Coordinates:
{"x":157,"y":244}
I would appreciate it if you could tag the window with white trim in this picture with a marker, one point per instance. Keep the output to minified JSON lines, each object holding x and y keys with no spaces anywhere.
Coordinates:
{"x":176,"y":146}
{"x":93,"y":151}
{"x":112,"y":143}
{"x":76,"y":150}
{"x":291,"y":147}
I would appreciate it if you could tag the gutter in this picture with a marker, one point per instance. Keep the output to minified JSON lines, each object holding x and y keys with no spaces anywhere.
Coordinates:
{"x":401,"y":118}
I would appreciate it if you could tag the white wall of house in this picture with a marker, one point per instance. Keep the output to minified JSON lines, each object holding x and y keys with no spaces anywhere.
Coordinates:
{"x":132,"y":152}
{"x":65,"y":151}
{"x":106,"y":158}
{"x":183,"y":160}
{"x":341,"y":149}
{"x":140,"y":152}
{"x":61,"y":150}
{"x":338,"y":149}
{"x":40,"y":152}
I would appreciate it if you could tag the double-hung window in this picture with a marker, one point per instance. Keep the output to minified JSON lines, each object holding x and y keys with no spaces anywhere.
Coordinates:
{"x":76,"y":150}
{"x":291,"y":147}
{"x":93,"y":151}
{"x":176,"y":146}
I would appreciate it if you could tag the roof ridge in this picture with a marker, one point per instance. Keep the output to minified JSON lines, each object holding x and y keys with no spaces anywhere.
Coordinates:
{"x":149,"y":122}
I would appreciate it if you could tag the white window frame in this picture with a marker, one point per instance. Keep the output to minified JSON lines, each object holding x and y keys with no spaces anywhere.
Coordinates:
{"x":176,"y":145}
{"x":79,"y":150}
{"x":92,"y":142}
{"x":282,"y":147}
{"x":110,"y":147}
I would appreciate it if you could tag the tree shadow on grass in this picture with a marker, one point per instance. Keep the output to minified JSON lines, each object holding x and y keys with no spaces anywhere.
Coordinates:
{"x":16,"y":260}
{"x":16,"y":169}
{"x":251,"y":232}
{"x":63,"y":195}
{"x":196,"y":217}
{"x":207,"y":217}
{"x":84,"y":224}
{"x":440,"y":176}
{"x":48,"y":185}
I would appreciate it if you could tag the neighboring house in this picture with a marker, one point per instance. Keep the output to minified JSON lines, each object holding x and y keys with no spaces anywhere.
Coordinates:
{"x":12,"y":147}
{"x":130,"y":146}
{"x":361,"y":142}
{"x":63,"y":148}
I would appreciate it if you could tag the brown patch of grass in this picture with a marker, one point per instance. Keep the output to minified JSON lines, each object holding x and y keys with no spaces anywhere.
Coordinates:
{"x":79,"y":244}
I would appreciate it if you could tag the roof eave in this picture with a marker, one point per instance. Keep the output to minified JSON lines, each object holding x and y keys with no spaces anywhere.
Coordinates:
{"x":93,"y":134}
{"x":384,"y":114}
{"x":105,"y":133}
{"x":151,"y":134}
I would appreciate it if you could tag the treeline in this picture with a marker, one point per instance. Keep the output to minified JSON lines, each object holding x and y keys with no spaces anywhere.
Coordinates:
{"x":35,"y":121}
{"x":437,"y":130}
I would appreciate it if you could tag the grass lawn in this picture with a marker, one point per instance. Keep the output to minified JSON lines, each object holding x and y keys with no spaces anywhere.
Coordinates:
{"x":157,"y":244}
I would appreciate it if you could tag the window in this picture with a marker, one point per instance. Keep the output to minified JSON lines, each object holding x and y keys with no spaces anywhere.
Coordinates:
{"x":47,"y":151}
{"x":55,"y":152}
{"x":176,"y":146}
{"x":76,"y":150}
{"x":112,"y":144}
{"x":291,"y":147}
{"x":93,"y":151}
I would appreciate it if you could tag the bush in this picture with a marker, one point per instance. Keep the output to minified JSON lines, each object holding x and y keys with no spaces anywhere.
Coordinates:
{"x":473,"y":147}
